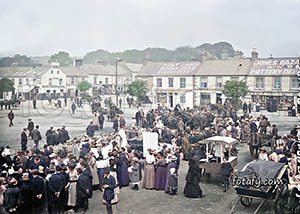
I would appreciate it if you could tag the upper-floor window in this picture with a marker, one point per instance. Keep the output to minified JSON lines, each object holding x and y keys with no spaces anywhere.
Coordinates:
{"x":51,"y":71}
{"x":106,"y":80}
{"x":277,"y":83}
{"x":95,"y":80}
{"x":159,"y":82}
{"x":219,"y":82}
{"x":182,"y":82}
{"x":50,"y":81}
{"x":20,"y":81}
{"x":72,"y":80}
{"x":234,"y":78}
{"x":203,"y":82}
{"x":295,"y":83}
{"x":57,"y":72}
{"x":60,"y":81}
{"x":171,"y":82}
{"x":27,"y":81}
{"x":260,"y":82}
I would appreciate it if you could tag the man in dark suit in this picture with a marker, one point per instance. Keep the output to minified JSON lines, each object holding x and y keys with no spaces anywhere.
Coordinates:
{"x":83,"y":190}
{"x":36,"y":136}
{"x":30,"y":127}
{"x":65,"y":134}
{"x":38,"y":188}
{"x":11,"y":116}
{"x":24,"y":139}
{"x":226,"y":172}
{"x":116,"y":124}
{"x":55,"y":187}
{"x":101,"y":120}
{"x":90,"y":130}
{"x":109,"y":184}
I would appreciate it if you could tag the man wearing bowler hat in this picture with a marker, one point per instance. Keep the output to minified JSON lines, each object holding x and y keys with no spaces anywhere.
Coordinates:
{"x":109,"y":184}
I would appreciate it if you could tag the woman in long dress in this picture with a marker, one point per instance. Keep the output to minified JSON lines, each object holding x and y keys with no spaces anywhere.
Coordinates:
{"x":192,"y":188}
{"x":124,"y":169}
{"x":149,"y":172}
{"x":72,"y":191}
{"x":160,"y":174}
{"x":93,"y":169}
{"x":170,"y":165}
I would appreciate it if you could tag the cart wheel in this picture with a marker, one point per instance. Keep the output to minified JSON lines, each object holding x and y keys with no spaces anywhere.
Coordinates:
{"x":208,"y":177}
{"x":245,"y":201}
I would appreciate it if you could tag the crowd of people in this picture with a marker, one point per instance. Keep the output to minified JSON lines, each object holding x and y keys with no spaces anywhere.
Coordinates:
{"x":65,"y":173}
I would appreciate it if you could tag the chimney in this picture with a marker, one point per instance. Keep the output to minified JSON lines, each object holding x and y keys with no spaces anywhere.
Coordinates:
{"x":224,"y":55}
{"x":254,"y":54}
{"x":203,"y":57}
{"x":238,"y":54}
{"x":78,"y":62}
{"x":55,"y":64}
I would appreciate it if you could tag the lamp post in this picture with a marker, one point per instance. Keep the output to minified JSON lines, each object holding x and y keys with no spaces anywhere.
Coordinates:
{"x":116,"y":87}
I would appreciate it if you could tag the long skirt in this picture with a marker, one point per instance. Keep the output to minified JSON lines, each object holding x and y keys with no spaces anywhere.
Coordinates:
{"x":149,"y":177}
{"x":72,"y":194}
{"x":192,"y":189}
{"x":160,"y":178}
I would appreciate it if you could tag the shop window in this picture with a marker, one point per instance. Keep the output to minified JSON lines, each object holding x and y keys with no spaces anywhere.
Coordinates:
{"x":295,"y":83}
{"x":260,"y":82}
{"x":20,"y":81}
{"x":204,"y":99}
{"x":159,"y":82}
{"x":171,"y":82}
{"x":277,"y":83}
{"x":182,"y":82}
{"x":203,"y":82}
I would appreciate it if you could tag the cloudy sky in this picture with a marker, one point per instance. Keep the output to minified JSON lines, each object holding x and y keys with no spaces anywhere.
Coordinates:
{"x":43,"y":27}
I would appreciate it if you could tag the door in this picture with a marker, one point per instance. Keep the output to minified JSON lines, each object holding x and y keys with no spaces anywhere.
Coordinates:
{"x":171,"y":101}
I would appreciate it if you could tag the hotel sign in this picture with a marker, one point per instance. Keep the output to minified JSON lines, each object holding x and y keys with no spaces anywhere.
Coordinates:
{"x":276,"y":67}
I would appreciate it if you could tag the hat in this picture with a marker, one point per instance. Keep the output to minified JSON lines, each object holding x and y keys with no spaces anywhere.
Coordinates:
{"x":52,"y":155}
{"x":50,"y":170}
{"x":107,"y":171}
{"x":34,"y":171}
{"x":173,"y":158}
{"x":135,"y":159}
{"x":25,"y":177}
{"x":41,"y":169}
{"x":263,"y":149}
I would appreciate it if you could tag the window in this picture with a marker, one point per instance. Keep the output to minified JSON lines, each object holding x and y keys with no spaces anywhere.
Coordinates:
{"x":106,"y":80}
{"x":95,"y":80}
{"x":277,"y":82}
{"x":171,"y":82}
{"x":219,"y":82}
{"x":203,"y":82}
{"x":60,"y":81}
{"x":50,"y":81}
{"x":182,"y":82}
{"x":204,"y":99}
{"x":27,"y":81}
{"x":295,"y":83}
{"x":72,"y":80}
{"x":260,"y":82}
{"x":234,"y":78}
{"x":33,"y":79}
{"x":20,"y":81}
{"x":51,"y":71}
{"x":62,"y":90}
{"x":182,"y":98}
{"x":57,"y":72}
{"x":159,"y":82}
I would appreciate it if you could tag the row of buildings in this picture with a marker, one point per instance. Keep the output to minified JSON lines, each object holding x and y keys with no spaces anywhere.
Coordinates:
{"x":269,"y":80}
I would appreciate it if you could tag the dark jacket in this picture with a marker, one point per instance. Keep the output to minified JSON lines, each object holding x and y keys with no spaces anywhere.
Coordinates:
{"x":115,"y":124}
{"x":90,"y":130}
{"x":82,"y":186}
{"x":36,"y":135}
{"x":109,"y":194}
{"x":11,"y":115}
{"x":11,"y":197}
{"x":51,"y":138}
{"x":30,"y":126}
{"x":226,"y":169}
{"x":24,"y":138}
{"x":55,"y":184}
{"x":38,"y":187}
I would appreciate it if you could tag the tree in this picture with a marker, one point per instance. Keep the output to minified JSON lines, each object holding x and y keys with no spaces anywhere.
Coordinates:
{"x":6,"y":85}
{"x":138,"y":89}
{"x":20,"y":60}
{"x":84,"y":86}
{"x":235,"y":90}
{"x":63,"y":58}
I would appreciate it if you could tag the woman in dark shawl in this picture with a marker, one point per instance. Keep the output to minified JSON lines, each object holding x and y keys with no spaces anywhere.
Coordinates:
{"x":192,"y":188}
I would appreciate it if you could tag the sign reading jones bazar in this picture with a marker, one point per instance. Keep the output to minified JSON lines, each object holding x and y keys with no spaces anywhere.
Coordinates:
{"x":288,"y":66}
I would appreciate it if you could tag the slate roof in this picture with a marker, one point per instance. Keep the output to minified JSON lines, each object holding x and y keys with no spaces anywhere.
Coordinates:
{"x":169,"y":69}
{"x":73,"y":72}
{"x":229,"y":67}
{"x":25,"y":71}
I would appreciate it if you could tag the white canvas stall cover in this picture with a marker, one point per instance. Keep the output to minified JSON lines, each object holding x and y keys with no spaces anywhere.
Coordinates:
{"x":220,"y":139}
{"x":150,"y":141}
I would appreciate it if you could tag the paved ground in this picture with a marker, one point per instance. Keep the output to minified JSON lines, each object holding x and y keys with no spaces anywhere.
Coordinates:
{"x":144,"y":201}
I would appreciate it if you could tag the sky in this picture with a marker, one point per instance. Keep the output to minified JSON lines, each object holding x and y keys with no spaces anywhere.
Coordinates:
{"x":44,"y":27}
